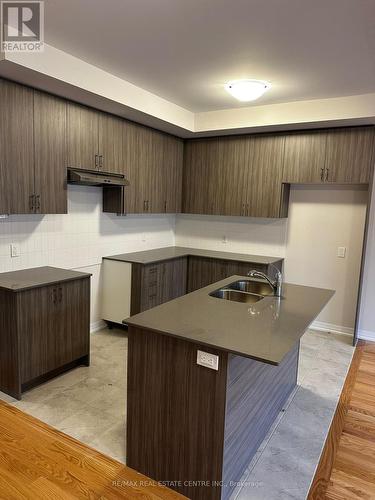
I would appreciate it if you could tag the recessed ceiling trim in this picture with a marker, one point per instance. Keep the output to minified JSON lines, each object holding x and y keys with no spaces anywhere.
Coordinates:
{"x":62,"y":74}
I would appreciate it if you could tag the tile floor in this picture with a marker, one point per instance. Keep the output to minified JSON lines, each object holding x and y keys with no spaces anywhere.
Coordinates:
{"x":89,"y":404}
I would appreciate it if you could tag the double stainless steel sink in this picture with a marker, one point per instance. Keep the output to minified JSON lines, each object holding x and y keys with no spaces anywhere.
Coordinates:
{"x":247,"y":291}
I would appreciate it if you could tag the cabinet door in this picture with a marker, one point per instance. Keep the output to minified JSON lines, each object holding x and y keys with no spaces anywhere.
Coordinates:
{"x":50,"y":153}
{"x":17,"y":148}
{"x":173,"y":150}
{"x":83,"y":137}
{"x":203,"y":271}
{"x":174,"y":279}
{"x":195,"y":178}
{"x":131,"y":154}
{"x":144,"y":150}
{"x":72,"y":313}
{"x":304,"y":157}
{"x":37,"y":331}
{"x":110,"y":144}
{"x":236,"y":153}
{"x":155,"y":181}
{"x":350,"y":155}
{"x":203,"y":186}
{"x":265,"y":177}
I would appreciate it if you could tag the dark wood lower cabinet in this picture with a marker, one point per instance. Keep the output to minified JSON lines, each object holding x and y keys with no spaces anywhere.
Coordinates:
{"x":195,"y":428}
{"x":154,"y":284}
{"x":43,"y":331}
{"x":203,"y":271}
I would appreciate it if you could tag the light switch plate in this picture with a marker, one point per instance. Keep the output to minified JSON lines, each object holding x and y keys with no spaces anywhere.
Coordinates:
{"x":341,"y":252}
{"x":208,"y":360}
{"x":14,"y":250}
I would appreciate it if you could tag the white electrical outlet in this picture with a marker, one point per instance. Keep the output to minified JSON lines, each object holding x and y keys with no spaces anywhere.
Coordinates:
{"x":341,"y":252}
{"x":208,"y":360}
{"x":14,"y":250}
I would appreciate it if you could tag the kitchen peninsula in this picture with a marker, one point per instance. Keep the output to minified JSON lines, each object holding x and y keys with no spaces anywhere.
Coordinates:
{"x":197,"y":426}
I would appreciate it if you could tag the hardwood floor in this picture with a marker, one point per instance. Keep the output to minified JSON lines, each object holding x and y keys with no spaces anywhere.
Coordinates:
{"x":39,"y":462}
{"x":347,"y":466}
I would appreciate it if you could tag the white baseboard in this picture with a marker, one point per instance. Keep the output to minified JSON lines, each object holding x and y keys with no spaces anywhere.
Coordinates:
{"x":366,"y":335}
{"x":97,"y":325}
{"x":329,"y":327}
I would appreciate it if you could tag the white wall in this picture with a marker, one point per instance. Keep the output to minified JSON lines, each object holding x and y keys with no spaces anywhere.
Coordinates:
{"x":81,"y":238}
{"x":321,"y":219}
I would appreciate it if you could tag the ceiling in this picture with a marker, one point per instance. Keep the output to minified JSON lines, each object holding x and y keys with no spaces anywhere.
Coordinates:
{"x":185,"y":51}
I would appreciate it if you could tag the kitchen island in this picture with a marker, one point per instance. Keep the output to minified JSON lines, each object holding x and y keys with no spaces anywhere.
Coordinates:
{"x":197,"y":426}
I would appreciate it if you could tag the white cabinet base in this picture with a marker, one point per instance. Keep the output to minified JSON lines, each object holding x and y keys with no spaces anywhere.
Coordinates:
{"x":117,"y":279}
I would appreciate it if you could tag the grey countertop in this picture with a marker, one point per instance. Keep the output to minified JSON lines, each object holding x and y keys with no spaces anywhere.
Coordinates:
{"x":25,"y":279}
{"x":265,"y":331}
{"x":167,"y":253}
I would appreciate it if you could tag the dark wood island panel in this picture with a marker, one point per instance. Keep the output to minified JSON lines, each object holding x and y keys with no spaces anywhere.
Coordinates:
{"x":195,"y":427}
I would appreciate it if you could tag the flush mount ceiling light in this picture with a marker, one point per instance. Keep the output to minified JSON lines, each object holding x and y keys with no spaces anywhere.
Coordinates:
{"x":247,"y":90}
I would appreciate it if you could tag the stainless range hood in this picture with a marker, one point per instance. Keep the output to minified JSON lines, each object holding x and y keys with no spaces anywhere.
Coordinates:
{"x":95,"y":178}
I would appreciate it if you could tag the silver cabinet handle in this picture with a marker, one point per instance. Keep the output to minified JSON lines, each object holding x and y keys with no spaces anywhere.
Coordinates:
{"x":32,"y":202}
{"x":96,"y":161}
{"x":322,"y":174}
{"x":327,"y":173}
{"x":101,"y":161}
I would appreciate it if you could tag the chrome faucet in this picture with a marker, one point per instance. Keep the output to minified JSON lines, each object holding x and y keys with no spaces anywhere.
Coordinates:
{"x":275,"y":284}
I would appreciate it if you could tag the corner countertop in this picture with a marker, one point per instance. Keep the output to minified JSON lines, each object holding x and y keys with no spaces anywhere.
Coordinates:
{"x":265,"y":331}
{"x":25,"y":279}
{"x":168,"y":253}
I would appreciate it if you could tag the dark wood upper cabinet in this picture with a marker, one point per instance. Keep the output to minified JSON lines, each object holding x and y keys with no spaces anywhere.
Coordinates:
{"x":131,"y":154}
{"x":350,"y":155}
{"x":50,"y":148}
{"x":110,"y":148}
{"x":17,"y":148}
{"x":304,"y":157}
{"x":173,"y":150}
{"x":264,"y":193}
{"x":202,"y":185}
{"x":342,"y":156}
{"x":236,"y":154}
{"x":249,"y":175}
{"x":234,"y":176}
{"x":155,"y":177}
{"x":152,"y":162}
{"x":83,"y":137}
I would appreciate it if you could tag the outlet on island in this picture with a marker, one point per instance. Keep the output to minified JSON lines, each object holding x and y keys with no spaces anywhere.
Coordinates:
{"x":208,"y":360}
